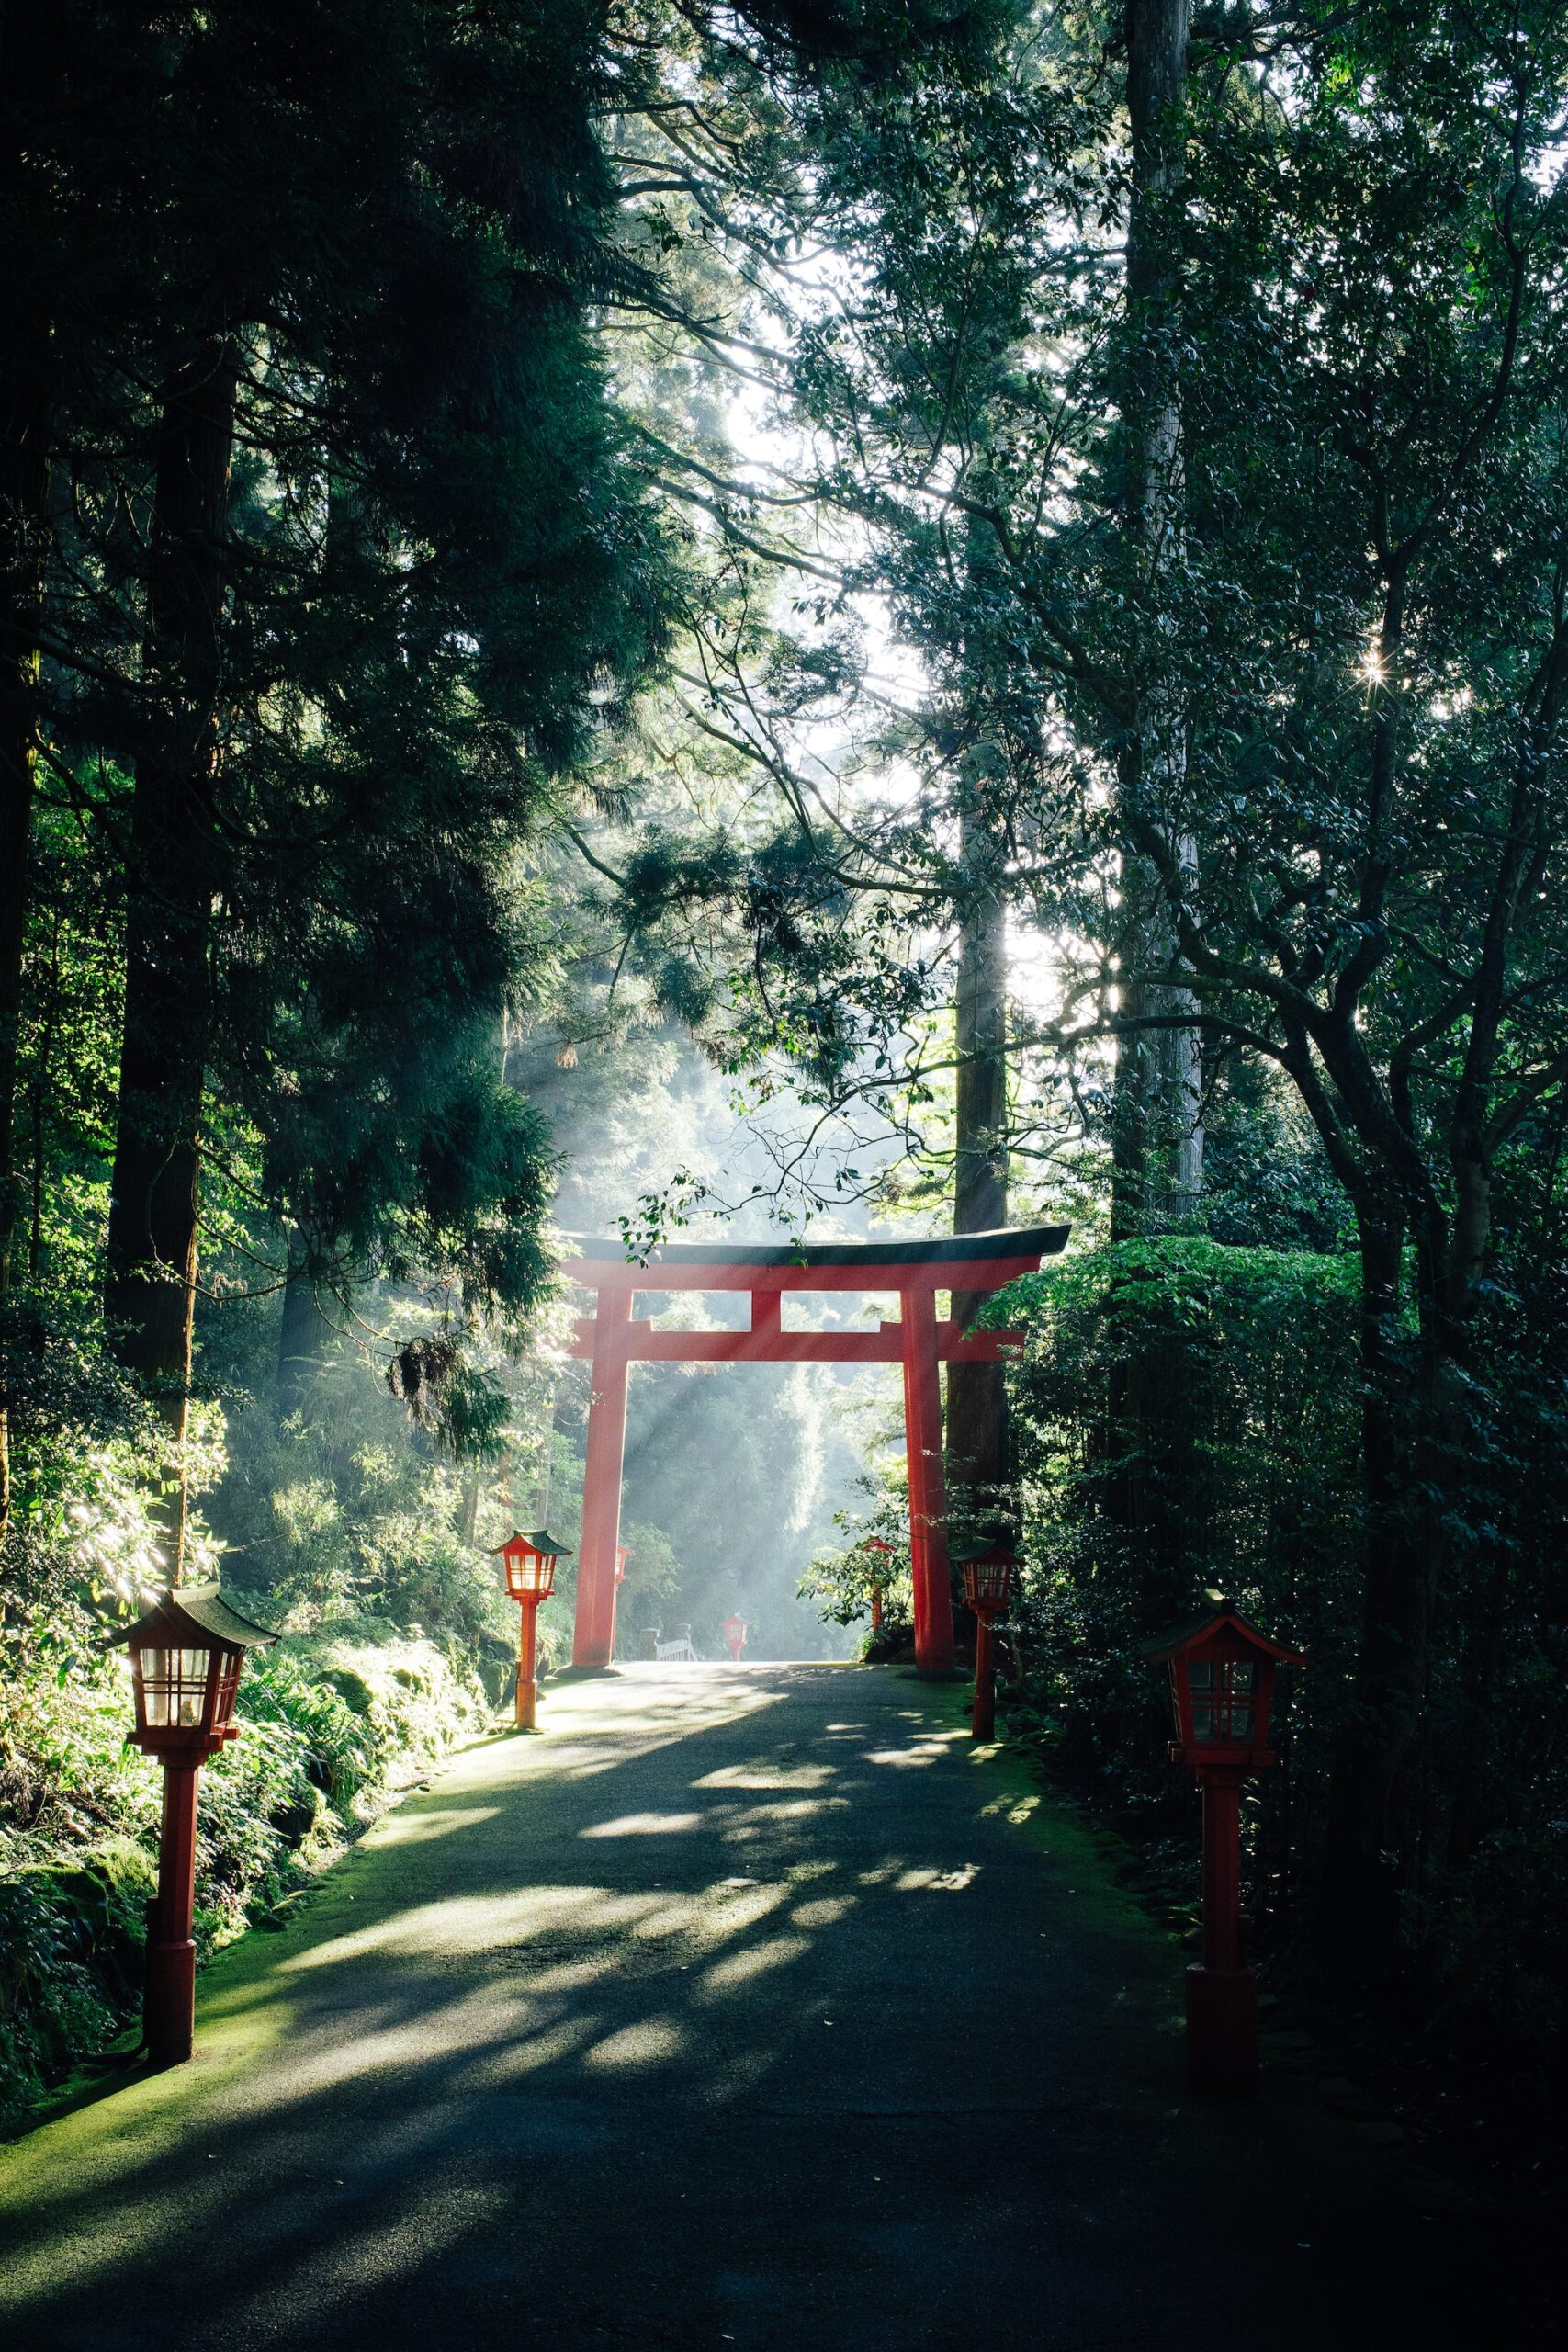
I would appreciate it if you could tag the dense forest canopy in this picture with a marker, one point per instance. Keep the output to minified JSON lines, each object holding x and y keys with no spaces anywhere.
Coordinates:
{"x":634,"y":615}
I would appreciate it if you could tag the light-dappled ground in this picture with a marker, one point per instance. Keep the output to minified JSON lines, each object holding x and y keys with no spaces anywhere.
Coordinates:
{"x":748,"y":2007}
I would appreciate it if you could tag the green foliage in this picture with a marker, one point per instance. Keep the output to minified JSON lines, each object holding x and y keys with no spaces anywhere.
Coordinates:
{"x":333,"y":1726}
{"x":333,"y":1518}
{"x":843,"y":1580}
{"x":459,"y":1402}
{"x":70,"y":1946}
{"x":1247,"y":1483}
{"x":1241,"y":1478}
{"x":483,"y":464}
{"x":337,"y":1530}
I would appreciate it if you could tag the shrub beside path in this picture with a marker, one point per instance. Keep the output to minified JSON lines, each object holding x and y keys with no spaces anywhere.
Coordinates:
{"x":747,"y":2007}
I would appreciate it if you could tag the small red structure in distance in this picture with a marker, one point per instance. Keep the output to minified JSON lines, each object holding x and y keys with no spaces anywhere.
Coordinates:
{"x":879,"y":1545}
{"x":735,"y":1632}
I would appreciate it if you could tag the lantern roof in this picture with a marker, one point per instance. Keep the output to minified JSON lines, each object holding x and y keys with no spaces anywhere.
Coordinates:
{"x":981,"y":1546}
{"x":199,"y":1609}
{"x":1191,"y":1635}
{"x":537,"y":1539}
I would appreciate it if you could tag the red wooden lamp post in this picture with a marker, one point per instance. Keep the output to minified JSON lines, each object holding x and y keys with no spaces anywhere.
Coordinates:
{"x":735,"y":1632}
{"x":530,"y":1563}
{"x":1221,"y":1687}
{"x":185,"y":1672}
{"x":987,"y":1580}
{"x":880,"y":1544}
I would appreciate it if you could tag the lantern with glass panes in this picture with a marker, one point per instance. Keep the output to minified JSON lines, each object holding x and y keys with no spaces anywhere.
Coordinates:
{"x":1222,"y":1690}
{"x":986,"y":1581}
{"x":530,"y":1561}
{"x":988,"y":1565}
{"x":185,"y":1656}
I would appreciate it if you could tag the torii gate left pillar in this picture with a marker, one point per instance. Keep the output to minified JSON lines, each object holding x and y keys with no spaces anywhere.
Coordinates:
{"x":594,"y":1639}
{"x":919,"y":1342}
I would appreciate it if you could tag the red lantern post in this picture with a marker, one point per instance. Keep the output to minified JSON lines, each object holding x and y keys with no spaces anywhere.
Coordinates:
{"x":186,"y":1656}
{"x":530,"y":1563}
{"x":735,"y":1632}
{"x":1221,"y":1687}
{"x":878,"y":1544}
{"x":987,"y":1580}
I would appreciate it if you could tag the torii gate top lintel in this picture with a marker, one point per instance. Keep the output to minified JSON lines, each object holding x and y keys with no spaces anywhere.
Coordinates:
{"x":964,"y":1263}
{"x":939,"y":1261}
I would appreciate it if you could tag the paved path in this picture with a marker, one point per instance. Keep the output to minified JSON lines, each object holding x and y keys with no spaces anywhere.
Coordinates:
{"x":744,"y":2009}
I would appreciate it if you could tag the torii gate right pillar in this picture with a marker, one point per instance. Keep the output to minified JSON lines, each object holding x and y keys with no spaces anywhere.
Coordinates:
{"x":929,"y":1571}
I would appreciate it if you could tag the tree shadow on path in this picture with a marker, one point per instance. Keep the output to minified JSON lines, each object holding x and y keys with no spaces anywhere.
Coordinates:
{"x":745,"y":2008}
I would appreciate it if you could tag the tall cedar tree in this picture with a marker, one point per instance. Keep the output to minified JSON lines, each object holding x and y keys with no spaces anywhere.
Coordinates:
{"x":77,"y":86}
{"x":393,"y":569}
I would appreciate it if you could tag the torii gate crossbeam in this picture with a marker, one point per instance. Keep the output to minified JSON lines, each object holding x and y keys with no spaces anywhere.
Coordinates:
{"x":613,"y":1342}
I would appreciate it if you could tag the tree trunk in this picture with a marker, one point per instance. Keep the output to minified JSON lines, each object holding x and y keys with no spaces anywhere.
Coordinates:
{"x":468,"y":1503}
{"x":29,"y":63}
{"x":1156,"y":1135}
{"x":175,"y":872}
{"x":24,"y":490}
{"x":1418,"y":1433}
{"x":302,"y":1341}
{"x":39,"y":1093}
{"x":977,"y":1396}
{"x":1368,"y":1800}
{"x":1468,"y":1817}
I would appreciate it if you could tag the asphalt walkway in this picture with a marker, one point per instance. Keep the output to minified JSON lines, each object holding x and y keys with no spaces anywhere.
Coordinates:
{"x":745,"y":2008}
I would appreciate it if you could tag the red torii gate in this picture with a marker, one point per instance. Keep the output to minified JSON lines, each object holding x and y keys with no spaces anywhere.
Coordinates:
{"x":611,"y":1340}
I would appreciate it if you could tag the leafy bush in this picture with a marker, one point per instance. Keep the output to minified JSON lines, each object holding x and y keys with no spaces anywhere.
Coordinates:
{"x":1186,"y":1418}
{"x":1186,"y":1424}
{"x":342,"y":1514}
{"x":335,"y":1719}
